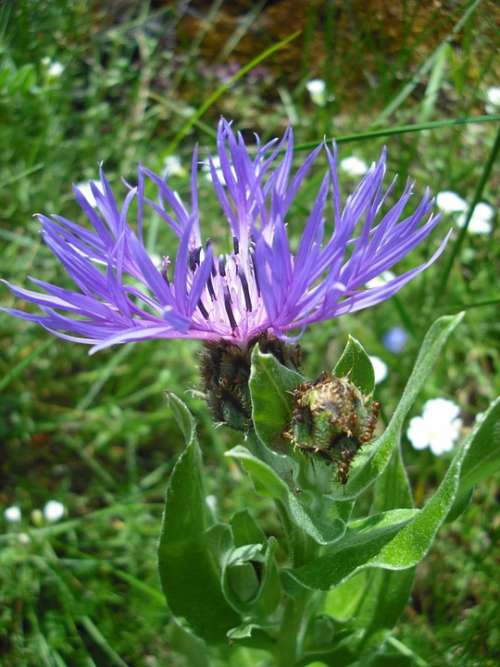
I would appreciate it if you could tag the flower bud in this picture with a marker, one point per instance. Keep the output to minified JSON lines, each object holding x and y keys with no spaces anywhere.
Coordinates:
{"x":332,"y":420}
{"x":225,"y":370}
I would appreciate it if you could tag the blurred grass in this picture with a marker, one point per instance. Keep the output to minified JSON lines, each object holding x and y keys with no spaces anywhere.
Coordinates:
{"x":93,"y":432}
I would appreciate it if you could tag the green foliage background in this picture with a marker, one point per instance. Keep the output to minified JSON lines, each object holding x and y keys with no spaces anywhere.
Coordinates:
{"x":145,"y":80}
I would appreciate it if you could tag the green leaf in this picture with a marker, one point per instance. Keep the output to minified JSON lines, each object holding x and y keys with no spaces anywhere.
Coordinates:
{"x":363,"y":541}
{"x":189,"y":571}
{"x":271,"y":387}
{"x":253,"y":635}
{"x":342,"y":601}
{"x":271,"y":592}
{"x":265,"y":479}
{"x":319,"y":521}
{"x":397,"y":548}
{"x":482,"y":459}
{"x":386,"y":595}
{"x":182,"y":416}
{"x":255,"y":593}
{"x":191,"y":647}
{"x":355,"y":363}
{"x":363,"y":531}
{"x":387,"y":591}
{"x":240,"y":582}
{"x":246,"y":530}
{"x":372,"y":460}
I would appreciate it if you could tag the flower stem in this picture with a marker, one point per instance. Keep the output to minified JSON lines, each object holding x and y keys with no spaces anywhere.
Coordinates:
{"x":300,"y":607}
{"x":293,"y":627}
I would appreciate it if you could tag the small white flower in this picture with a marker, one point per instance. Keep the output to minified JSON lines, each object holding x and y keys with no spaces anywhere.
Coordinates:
{"x":481,"y":220}
{"x":354,"y":166}
{"x":317,"y":90}
{"x":53,"y":510}
{"x":492,"y":99}
{"x":379,"y":369}
{"x":86,"y":190}
{"x":172,"y":167}
{"x":381,"y":280}
{"x":13,"y":514}
{"x":437,"y":428}
{"x":450,"y":202}
{"x":55,"y":69}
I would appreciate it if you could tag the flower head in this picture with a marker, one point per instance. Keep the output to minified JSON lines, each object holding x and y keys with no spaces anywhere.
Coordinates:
{"x":332,"y":420}
{"x":262,"y":286}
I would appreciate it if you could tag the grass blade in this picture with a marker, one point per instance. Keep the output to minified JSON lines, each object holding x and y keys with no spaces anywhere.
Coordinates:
{"x":226,"y":86}
{"x":100,"y":640}
{"x":403,"y":129}
{"x":425,"y":67}
{"x":14,"y":372}
{"x":463,"y":231}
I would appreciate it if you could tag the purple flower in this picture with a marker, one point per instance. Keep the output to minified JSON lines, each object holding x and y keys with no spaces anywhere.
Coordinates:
{"x":395,"y":339}
{"x":120,"y":295}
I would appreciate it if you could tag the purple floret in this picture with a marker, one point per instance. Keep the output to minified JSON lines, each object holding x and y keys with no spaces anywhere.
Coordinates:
{"x":121,"y":295}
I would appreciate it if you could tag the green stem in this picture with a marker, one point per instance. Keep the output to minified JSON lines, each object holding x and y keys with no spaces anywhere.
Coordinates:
{"x":298,"y":609}
{"x":291,"y":639}
{"x":400,"y":129}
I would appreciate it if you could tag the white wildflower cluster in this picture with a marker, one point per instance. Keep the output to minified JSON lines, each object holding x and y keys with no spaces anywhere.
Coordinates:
{"x":437,"y":428}
{"x":53,"y":511}
{"x":482,"y":217}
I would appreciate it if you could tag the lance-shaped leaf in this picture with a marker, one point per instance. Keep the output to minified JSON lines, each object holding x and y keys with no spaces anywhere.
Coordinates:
{"x":375,"y":599}
{"x":482,"y":459}
{"x":271,"y":387}
{"x":189,"y":571}
{"x":399,"y":549}
{"x":387,"y":591}
{"x":371,"y":460}
{"x":356,"y":365}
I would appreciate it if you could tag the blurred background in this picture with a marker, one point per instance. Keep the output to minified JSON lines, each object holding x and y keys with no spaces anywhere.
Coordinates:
{"x":87,"y":443}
